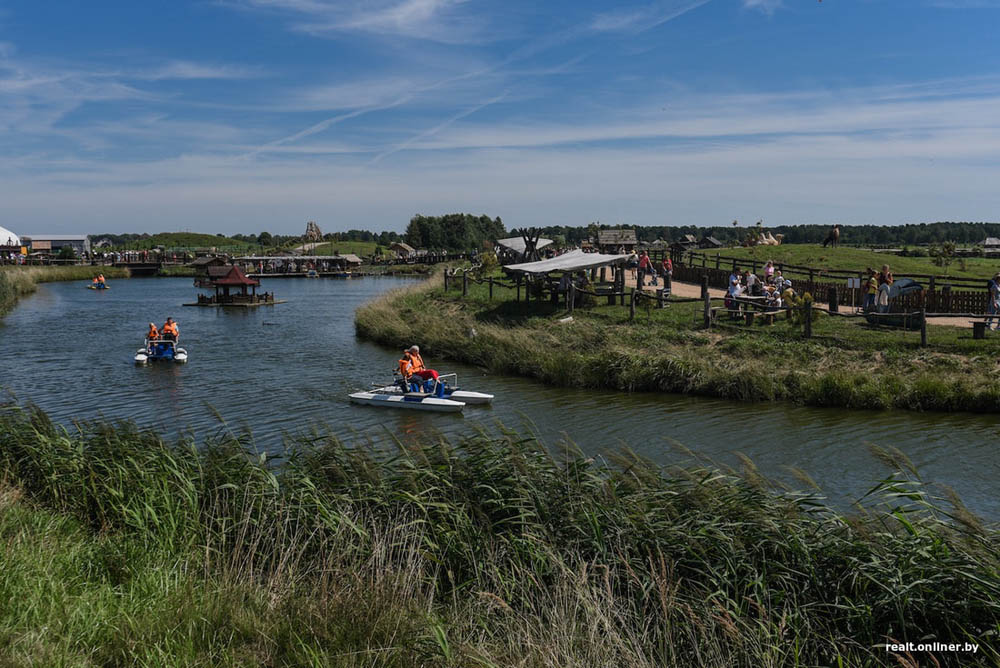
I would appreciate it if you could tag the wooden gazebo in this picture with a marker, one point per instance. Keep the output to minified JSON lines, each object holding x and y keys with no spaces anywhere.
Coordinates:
{"x":225,"y":295}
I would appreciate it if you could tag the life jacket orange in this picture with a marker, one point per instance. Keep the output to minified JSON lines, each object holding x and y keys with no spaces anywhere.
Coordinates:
{"x":153,"y":333}
{"x":170,"y":328}
{"x":416,"y":363}
{"x":404,"y":366}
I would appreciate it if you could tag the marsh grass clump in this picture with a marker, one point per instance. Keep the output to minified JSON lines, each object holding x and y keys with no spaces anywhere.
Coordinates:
{"x":483,"y":550}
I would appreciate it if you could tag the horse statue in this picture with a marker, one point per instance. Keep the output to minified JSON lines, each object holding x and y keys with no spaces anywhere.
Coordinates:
{"x":833,"y":237}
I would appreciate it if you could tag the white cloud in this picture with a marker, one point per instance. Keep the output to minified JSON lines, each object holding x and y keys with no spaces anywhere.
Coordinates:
{"x":182,"y":69}
{"x":765,"y":6}
{"x":645,"y":17}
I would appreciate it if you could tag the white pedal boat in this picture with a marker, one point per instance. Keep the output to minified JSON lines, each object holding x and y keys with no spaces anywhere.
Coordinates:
{"x":465,"y":396}
{"x":161,"y":350}
{"x":414,"y":401}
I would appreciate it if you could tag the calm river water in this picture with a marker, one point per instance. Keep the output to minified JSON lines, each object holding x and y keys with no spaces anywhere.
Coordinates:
{"x":280,"y":369}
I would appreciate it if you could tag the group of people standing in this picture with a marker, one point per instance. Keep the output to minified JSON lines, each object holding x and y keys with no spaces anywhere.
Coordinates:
{"x":642,"y":266}
{"x":877,"y":290}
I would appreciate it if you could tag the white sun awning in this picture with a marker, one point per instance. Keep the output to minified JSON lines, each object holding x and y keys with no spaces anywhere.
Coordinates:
{"x":575,"y":260}
{"x":516,"y":244}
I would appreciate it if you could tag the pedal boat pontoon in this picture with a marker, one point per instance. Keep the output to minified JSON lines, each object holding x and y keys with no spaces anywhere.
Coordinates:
{"x":451,"y":390}
{"x":435,"y":396}
{"x":161,"y":350}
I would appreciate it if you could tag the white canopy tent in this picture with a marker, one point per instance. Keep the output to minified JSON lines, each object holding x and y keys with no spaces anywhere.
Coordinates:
{"x":516,"y":244}
{"x":575,"y":260}
{"x":8,"y":238}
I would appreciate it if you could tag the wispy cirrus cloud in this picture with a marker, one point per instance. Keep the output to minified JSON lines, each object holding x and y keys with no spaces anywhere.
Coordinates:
{"x":765,"y":6}
{"x":638,"y":19}
{"x":184,"y":69}
{"x":444,"y":21}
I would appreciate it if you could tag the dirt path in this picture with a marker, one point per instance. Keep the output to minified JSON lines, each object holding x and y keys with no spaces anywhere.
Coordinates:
{"x":679,"y":289}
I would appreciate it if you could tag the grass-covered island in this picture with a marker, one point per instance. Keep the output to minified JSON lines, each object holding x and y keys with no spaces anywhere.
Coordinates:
{"x":845,"y":363}
{"x":122,"y":548}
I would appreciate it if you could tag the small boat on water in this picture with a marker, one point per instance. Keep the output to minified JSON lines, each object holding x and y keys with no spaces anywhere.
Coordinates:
{"x":442,"y":395}
{"x":161,"y":350}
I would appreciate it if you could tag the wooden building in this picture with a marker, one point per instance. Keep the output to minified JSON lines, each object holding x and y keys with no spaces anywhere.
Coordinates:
{"x":613,"y":241}
{"x":231,"y":289}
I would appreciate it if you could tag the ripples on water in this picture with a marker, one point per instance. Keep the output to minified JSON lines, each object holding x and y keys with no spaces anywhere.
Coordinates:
{"x":281,"y":369}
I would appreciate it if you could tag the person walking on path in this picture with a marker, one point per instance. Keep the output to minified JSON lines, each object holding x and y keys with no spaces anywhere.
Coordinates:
{"x":871,"y":290}
{"x":993,"y":305}
{"x":644,"y":268}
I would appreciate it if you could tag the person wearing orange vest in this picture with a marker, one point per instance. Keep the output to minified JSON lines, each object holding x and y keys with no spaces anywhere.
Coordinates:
{"x":412,"y":367}
{"x":170,"y":330}
{"x":153,"y":333}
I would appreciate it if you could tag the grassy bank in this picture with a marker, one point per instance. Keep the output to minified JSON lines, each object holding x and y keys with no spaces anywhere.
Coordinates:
{"x":18,"y":281}
{"x":846,"y":363}
{"x":124,"y":549}
{"x":859,"y":259}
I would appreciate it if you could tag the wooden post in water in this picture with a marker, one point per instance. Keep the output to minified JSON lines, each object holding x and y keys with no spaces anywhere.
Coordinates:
{"x":923,"y":326}
{"x":831,"y":296}
{"x":707,"y":300}
{"x":808,"y":312}
{"x":465,"y":283}
{"x":491,"y":288}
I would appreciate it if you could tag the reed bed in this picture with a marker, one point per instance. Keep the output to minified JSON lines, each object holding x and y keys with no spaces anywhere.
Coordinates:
{"x":19,"y":281}
{"x":124,"y":548}
{"x":671,"y":354}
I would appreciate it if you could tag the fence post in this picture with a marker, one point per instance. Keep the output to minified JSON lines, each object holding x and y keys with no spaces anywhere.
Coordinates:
{"x":446,"y":279}
{"x":831,"y":296}
{"x":570,"y":297}
{"x":631,"y":307}
{"x":708,"y":302}
{"x":603,"y":274}
{"x":808,"y":312}
{"x":659,"y":298}
{"x":923,"y":327}
{"x":812,"y":288}
{"x":491,"y":288}
{"x":465,"y":283}
{"x":517,"y":295}
{"x":621,"y":282}
{"x":717,"y":258}
{"x":946,"y":298}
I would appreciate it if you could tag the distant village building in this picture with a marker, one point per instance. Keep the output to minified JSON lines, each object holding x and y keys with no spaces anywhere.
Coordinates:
{"x":56,"y":242}
{"x":401,"y":249}
{"x":991,"y":243}
{"x":709,"y":242}
{"x":611,"y":241}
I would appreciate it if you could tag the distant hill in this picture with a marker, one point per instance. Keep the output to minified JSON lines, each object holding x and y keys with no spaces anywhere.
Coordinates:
{"x":170,"y":240}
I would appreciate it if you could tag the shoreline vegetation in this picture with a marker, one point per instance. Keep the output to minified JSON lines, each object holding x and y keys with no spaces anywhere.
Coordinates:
{"x":20,"y":281}
{"x":842,"y":365}
{"x":486,"y":550}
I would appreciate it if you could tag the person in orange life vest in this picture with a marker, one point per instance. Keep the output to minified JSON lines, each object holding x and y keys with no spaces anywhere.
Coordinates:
{"x":153,"y":333}
{"x":416,"y":365}
{"x":169,"y":330}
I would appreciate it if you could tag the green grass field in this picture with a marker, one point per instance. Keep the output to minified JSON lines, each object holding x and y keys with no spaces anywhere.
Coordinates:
{"x":360,"y":248}
{"x":858,"y":259}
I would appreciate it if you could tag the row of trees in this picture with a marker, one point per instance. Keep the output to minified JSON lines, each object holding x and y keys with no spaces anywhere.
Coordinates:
{"x":455,"y":232}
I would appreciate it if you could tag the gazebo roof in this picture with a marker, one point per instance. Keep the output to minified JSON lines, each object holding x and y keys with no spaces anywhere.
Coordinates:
{"x":235,"y":277}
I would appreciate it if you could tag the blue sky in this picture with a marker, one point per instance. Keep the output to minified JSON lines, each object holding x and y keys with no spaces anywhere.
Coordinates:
{"x":245,"y":115}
